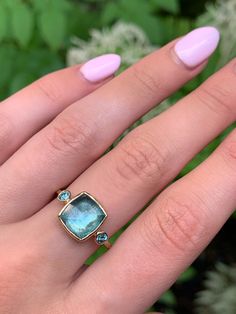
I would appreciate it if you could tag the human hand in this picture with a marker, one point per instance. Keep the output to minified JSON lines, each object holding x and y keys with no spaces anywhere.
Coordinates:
{"x":52,"y":134}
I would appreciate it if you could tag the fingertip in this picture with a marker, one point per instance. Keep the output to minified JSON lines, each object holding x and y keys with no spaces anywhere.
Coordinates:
{"x":101,"y":67}
{"x":197,"y":46}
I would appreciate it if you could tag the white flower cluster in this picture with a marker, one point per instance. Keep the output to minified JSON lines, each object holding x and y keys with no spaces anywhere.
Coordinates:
{"x":128,"y":40}
{"x":219,"y":292}
{"x":222,"y":15}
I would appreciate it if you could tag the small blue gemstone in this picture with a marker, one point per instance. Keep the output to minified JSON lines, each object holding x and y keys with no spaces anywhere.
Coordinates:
{"x":101,"y":237}
{"x":64,"y":196}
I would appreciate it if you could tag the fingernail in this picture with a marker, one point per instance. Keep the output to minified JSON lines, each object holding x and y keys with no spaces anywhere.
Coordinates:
{"x":101,"y":67}
{"x":197,"y":46}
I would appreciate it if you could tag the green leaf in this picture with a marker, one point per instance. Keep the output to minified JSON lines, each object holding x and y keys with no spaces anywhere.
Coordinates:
{"x":168,"y":298}
{"x":52,"y":26}
{"x":152,"y":26}
{"x":110,"y":13}
{"x":59,"y":4}
{"x":20,"y":80}
{"x":81,"y":21}
{"x":131,"y":12}
{"x":7,"y":54}
{"x":168,"y":26}
{"x":182,"y":26}
{"x":43,"y":5}
{"x":42,"y":61}
{"x":133,"y":8}
{"x":171,"y":6}
{"x":22,"y":24}
{"x":189,"y":274}
{"x":141,"y":15}
{"x":3,"y":22}
{"x":11,"y":4}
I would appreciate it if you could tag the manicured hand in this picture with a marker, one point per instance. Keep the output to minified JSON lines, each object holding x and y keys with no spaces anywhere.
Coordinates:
{"x":53,"y":134}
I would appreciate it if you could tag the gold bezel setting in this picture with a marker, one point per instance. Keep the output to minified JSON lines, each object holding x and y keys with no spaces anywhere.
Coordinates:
{"x":71,"y":200}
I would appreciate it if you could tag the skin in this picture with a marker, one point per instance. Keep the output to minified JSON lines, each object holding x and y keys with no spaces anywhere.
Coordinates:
{"x":52,"y":137}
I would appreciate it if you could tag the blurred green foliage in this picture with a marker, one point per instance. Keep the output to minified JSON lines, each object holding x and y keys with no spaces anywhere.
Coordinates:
{"x":31,"y":34}
{"x":35,"y":36}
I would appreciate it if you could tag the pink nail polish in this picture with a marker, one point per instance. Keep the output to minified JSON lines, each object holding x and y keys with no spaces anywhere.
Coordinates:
{"x":101,"y":67}
{"x":197,"y":46}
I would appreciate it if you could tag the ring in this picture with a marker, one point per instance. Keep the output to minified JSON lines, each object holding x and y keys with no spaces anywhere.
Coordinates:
{"x":82,"y":216}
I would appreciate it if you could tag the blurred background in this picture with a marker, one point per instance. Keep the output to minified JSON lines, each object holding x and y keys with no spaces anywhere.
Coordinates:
{"x":39,"y":36}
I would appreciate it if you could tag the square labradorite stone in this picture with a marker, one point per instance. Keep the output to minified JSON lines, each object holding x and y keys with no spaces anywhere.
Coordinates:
{"x":82,"y":216}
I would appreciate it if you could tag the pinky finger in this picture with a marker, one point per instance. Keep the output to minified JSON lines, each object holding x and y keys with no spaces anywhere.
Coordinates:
{"x":151,"y":254}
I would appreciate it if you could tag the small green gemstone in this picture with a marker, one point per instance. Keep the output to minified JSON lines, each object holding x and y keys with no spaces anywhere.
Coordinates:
{"x":101,"y":237}
{"x":64,"y":196}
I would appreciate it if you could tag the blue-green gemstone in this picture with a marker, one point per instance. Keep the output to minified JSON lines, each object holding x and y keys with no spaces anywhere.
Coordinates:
{"x":82,"y":216}
{"x":64,"y":195}
{"x":101,"y":237}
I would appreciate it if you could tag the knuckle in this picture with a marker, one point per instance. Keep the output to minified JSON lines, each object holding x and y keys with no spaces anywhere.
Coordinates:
{"x":5,"y":130}
{"x":146,"y":81}
{"x":49,"y":89}
{"x":177,"y":222}
{"x":69,"y":135}
{"x":228,"y":150}
{"x":140,"y":158}
{"x":216,"y":98}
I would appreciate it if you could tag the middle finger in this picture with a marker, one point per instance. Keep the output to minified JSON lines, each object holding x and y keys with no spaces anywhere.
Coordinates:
{"x":55,"y":156}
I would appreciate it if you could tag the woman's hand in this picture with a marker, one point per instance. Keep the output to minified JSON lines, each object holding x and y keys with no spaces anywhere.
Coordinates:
{"x":52,"y":134}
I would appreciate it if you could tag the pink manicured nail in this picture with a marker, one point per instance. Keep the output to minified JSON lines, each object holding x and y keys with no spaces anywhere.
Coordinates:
{"x":197,"y":46}
{"x":101,"y":67}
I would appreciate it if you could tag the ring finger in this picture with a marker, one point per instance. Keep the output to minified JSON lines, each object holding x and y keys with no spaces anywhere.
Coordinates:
{"x":141,"y":165}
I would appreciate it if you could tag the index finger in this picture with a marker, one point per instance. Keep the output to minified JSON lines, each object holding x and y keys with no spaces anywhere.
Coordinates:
{"x":26,"y":112}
